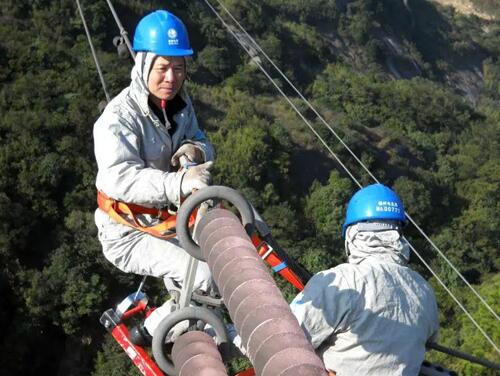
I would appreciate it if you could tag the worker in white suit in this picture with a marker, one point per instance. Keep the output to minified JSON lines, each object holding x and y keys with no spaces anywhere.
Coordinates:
{"x":372,"y":315}
{"x":140,"y":140}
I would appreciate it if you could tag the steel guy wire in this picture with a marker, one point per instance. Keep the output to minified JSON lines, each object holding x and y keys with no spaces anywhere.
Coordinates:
{"x":455,"y":299}
{"x":298,"y":92}
{"x":96,"y":61}
{"x":285,"y":96}
{"x":419,"y":229}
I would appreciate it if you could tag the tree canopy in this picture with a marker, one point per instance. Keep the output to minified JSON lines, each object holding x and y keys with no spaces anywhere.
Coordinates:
{"x":414,"y":91}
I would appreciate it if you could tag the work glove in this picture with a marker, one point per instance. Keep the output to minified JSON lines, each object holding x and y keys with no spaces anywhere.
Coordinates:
{"x":192,"y":152}
{"x":196,"y":177}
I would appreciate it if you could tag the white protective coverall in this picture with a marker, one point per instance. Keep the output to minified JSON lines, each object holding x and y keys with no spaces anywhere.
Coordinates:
{"x":373,"y":315}
{"x":133,"y":151}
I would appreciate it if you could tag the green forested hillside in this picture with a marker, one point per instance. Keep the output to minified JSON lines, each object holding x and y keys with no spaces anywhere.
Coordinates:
{"x":412,"y":88}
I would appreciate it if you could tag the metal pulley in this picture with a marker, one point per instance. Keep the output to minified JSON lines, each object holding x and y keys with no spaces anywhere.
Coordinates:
{"x":121,"y":47}
{"x":102,"y":105}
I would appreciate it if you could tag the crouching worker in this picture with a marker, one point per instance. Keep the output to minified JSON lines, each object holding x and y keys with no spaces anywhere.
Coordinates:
{"x":139,"y":139}
{"x":372,"y":315}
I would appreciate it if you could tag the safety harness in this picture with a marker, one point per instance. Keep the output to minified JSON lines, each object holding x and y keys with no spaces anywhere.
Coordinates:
{"x":126,"y":214}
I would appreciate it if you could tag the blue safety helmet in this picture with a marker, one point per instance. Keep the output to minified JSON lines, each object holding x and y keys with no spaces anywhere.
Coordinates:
{"x":162,"y":33}
{"x":374,"y":202}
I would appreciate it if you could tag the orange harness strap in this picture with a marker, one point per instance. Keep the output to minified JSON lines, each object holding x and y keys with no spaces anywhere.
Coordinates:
{"x":269,"y":256}
{"x":126,"y":214}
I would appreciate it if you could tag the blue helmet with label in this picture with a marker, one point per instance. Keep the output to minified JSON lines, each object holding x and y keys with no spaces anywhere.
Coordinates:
{"x":162,"y":33}
{"x":374,"y":202}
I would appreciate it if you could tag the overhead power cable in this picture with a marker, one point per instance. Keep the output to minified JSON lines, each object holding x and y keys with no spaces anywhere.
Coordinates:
{"x":96,"y":61}
{"x":321,"y":118}
{"x":483,"y":332}
{"x":248,"y":49}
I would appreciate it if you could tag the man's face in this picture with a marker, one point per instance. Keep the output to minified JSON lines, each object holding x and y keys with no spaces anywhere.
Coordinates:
{"x":166,"y":77}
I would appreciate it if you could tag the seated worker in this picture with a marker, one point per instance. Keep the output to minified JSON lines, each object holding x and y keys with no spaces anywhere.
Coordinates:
{"x":372,"y":315}
{"x":138,"y":141}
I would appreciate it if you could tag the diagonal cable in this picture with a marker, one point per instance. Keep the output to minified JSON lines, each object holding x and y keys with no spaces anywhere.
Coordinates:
{"x":284,"y":95}
{"x":257,"y":46}
{"x":96,"y":61}
{"x":247,"y":49}
{"x":455,"y":299}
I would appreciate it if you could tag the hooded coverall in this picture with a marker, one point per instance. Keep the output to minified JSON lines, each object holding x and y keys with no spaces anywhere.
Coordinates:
{"x":133,"y":149}
{"x":372,"y":315}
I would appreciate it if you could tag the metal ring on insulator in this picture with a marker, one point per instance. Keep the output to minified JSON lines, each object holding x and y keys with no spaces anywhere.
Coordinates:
{"x":234,"y":197}
{"x":188,"y":313}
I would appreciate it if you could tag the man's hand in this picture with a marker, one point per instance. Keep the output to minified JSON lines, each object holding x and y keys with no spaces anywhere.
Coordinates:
{"x":196,"y":177}
{"x":192,"y":152}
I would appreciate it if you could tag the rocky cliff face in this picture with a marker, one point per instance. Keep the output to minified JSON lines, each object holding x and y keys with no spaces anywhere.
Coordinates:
{"x":436,"y":43}
{"x":467,"y":7}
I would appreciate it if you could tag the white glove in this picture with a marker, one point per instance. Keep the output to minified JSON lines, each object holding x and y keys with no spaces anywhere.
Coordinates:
{"x":192,"y":152}
{"x":196,"y":177}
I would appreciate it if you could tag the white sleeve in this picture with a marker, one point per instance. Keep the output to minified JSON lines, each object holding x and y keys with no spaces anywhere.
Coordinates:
{"x":322,"y":309}
{"x":122,"y":173}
